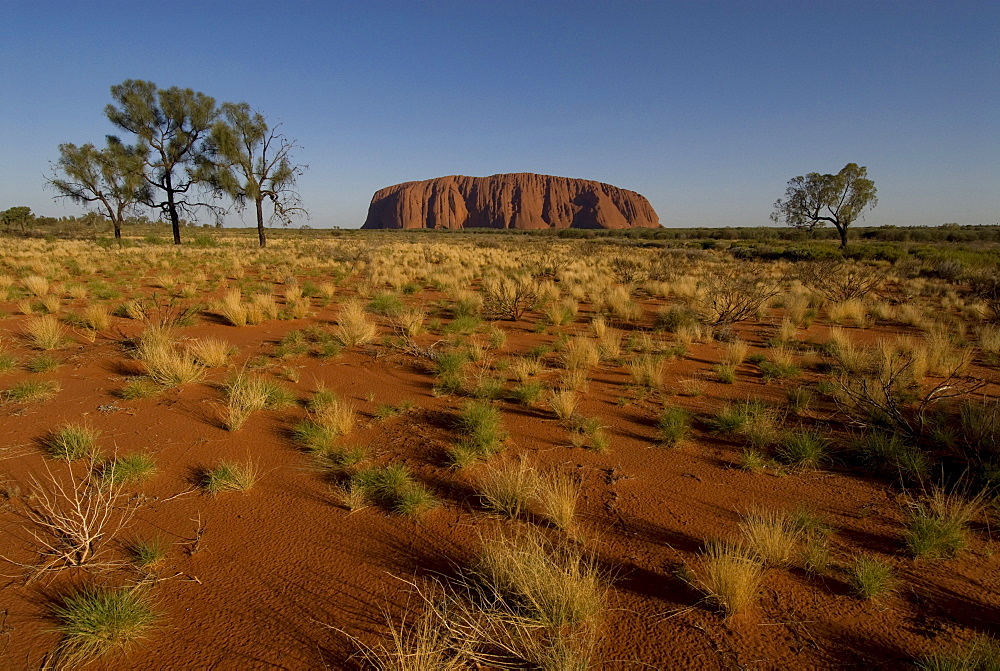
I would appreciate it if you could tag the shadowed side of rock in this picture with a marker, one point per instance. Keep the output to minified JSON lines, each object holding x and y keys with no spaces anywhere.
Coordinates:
{"x":521,"y":201}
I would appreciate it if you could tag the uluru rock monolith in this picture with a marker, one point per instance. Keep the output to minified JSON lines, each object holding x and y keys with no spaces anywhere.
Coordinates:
{"x":521,"y":200}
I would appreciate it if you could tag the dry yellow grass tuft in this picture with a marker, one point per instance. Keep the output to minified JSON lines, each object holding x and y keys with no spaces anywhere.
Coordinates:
{"x":45,"y":332}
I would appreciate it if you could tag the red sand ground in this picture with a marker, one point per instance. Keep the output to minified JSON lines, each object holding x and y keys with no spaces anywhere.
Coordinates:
{"x":279,"y":572}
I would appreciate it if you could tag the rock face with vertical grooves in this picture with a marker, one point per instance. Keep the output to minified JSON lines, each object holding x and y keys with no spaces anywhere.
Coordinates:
{"x":520,"y":200}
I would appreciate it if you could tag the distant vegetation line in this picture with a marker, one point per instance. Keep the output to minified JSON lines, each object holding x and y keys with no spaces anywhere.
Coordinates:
{"x":94,"y":226}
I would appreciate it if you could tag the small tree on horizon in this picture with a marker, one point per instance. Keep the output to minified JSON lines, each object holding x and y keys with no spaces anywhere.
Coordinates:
{"x":816,"y":200}
{"x":112,"y":177}
{"x":251,"y":162}
{"x":173,"y":125}
{"x":19,"y":216}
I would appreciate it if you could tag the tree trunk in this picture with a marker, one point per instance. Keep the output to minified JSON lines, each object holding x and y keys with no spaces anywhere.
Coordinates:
{"x":175,"y":221}
{"x":260,"y":222}
{"x":118,"y":229}
{"x":843,"y":235}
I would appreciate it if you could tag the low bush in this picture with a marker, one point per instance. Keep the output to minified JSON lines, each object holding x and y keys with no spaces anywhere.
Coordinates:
{"x":673,"y":426}
{"x":229,"y":476}
{"x":870,"y":577}
{"x":73,"y":441}
{"x":93,"y":621}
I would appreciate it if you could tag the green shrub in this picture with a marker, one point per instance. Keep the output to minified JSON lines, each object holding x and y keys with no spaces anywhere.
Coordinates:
{"x":128,"y":468}
{"x":229,"y":476}
{"x":138,"y":388}
{"x":937,"y":527}
{"x":779,"y":371}
{"x":31,"y":390}
{"x":386,"y":304}
{"x":673,"y":426}
{"x":93,"y":621}
{"x":392,"y":487}
{"x":891,"y":454}
{"x":981,"y":654}
{"x":675,"y":317}
{"x":732,"y":418}
{"x":482,"y":434}
{"x":147,"y":553}
{"x":73,"y":441}
{"x":804,"y":449}
{"x":527,"y":393}
{"x":726,"y":373}
{"x":870,"y":577}
{"x":41,"y":363}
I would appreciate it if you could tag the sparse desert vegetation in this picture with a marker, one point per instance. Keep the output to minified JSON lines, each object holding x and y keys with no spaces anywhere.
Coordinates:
{"x":511,"y":451}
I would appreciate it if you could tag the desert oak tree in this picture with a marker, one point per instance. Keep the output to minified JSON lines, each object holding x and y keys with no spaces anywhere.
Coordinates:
{"x":173,"y":125}
{"x":112,"y":178}
{"x":251,"y":163}
{"x":816,"y":200}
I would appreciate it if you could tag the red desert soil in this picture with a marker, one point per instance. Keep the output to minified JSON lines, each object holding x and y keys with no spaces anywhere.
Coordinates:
{"x":282,"y":575}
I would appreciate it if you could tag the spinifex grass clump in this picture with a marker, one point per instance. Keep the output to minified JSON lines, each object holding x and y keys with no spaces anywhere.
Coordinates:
{"x":980,"y":654}
{"x":508,"y":489}
{"x":246,"y":393}
{"x":138,"y":388}
{"x":97,"y":317}
{"x":730,"y":575}
{"x":772,"y":536}
{"x":392,"y":487}
{"x":527,"y":393}
{"x":779,"y":365}
{"x":550,"y":584}
{"x":804,"y":449}
{"x":338,"y":416}
{"x":515,"y":489}
{"x":232,"y":308}
{"x":330,"y":418}
{"x":588,"y":432}
{"x":938,"y":527}
{"x":893,"y":455}
{"x":41,"y":363}
{"x":386,"y":304}
{"x":726,"y":373}
{"x":31,"y":390}
{"x":354,"y":326}
{"x":229,"y":476}
{"x":870,"y":577}
{"x":735,"y":352}
{"x":45,"y":332}
{"x":448,"y":369}
{"x":673,"y":426}
{"x":94,"y":621}
{"x":646,"y":371}
{"x":166,"y":364}
{"x":7,"y":360}
{"x":211,"y":352}
{"x":128,"y":468}
{"x":732,"y":418}
{"x":564,"y":403}
{"x":482,"y":434}
{"x":556,"y":494}
{"x":147,"y":553}
{"x":73,"y":441}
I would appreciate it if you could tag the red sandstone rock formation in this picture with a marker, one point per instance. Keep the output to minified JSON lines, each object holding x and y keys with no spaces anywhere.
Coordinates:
{"x":517,"y":200}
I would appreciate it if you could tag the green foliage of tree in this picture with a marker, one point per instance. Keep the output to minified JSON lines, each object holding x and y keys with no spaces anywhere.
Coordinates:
{"x":252,"y":163}
{"x":16,"y":217}
{"x":112,"y":177}
{"x":816,"y":200}
{"x":173,"y":125}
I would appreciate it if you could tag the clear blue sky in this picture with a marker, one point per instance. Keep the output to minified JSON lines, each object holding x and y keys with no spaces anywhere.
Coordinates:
{"x":706,"y":108}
